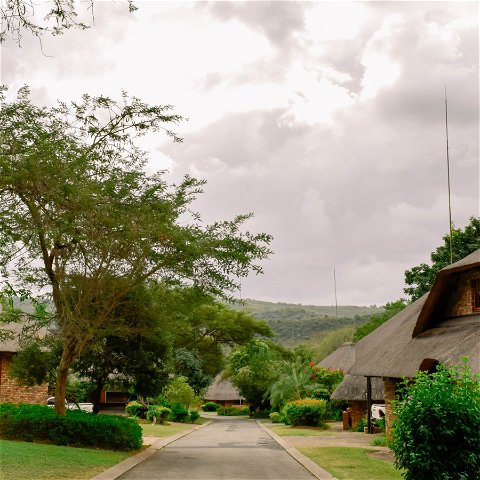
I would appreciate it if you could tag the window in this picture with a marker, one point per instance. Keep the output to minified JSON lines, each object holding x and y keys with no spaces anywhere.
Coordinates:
{"x":476,"y":295}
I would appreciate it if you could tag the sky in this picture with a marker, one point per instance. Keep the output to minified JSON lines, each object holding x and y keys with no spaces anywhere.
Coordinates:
{"x":324,"y":119}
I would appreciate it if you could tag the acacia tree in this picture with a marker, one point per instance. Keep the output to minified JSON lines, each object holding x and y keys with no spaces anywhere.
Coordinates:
{"x":40,"y":18}
{"x":82,"y":221}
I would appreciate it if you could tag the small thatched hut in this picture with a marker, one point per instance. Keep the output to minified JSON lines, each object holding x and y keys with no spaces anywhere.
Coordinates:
{"x":353,"y":388}
{"x":443,"y":326}
{"x":223,"y":392}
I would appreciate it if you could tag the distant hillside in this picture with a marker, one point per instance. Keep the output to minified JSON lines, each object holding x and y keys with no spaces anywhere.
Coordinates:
{"x":295,"y":323}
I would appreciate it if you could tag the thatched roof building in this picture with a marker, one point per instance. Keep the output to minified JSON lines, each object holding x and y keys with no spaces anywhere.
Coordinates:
{"x":442,"y":326}
{"x":353,"y":387}
{"x":223,"y":392}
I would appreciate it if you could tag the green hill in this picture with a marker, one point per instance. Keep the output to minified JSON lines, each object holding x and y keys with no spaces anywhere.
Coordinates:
{"x":296,"y":323}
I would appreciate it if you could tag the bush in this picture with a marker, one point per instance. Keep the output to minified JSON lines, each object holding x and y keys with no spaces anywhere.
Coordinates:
{"x":194,"y":415}
{"x":78,"y":429}
{"x":360,"y":426}
{"x":179,"y":413}
{"x":210,"y":407}
{"x":233,"y":410}
{"x":307,"y":412}
{"x":436,"y":431}
{"x":136,"y":409}
{"x":276,"y":417}
{"x":158,"y":413}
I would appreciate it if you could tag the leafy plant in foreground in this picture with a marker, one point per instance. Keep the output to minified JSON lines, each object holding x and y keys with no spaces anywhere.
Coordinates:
{"x":436,"y":431}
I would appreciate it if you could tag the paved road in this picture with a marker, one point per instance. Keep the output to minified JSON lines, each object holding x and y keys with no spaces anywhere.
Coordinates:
{"x":228,"y":448}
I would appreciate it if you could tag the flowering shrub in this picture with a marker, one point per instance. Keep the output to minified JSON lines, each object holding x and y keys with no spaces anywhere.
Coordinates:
{"x":307,"y":411}
{"x":327,"y":378}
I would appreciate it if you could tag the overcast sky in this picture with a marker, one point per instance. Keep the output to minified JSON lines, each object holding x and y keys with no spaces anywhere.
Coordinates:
{"x":327,"y":120}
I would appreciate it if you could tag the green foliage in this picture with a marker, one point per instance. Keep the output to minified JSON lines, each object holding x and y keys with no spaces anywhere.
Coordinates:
{"x":178,"y":413}
{"x":323,"y":344}
{"x":360,"y":426}
{"x":179,"y":391}
{"x":210,"y":407}
{"x":194,"y":415}
{"x":32,"y":365}
{"x":305,"y":412}
{"x":276,"y":417}
{"x":294,"y":382}
{"x":157,"y":413}
{"x":188,"y":364}
{"x":41,"y":423}
{"x":327,"y":380}
{"x":419,"y":279}
{"x":136,"y":409}
{"x":233,"y":410}
{"x":83,"y":220}
{"x":252,"y":369}
{"x":379,"y":442}
{"x":436,"y":431}
{"x":375,"y":321}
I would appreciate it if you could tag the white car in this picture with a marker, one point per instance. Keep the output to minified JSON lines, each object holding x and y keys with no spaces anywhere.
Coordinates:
{"x":85,"y":406}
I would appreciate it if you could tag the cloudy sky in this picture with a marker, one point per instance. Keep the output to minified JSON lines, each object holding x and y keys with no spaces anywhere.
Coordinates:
{"x":327,"y":120}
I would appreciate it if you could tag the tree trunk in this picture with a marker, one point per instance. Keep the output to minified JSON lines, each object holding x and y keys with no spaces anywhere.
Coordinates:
{"x":97,"y":394}
{"x":68,"y":356}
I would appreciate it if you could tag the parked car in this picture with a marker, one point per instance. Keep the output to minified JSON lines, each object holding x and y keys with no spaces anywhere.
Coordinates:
{"x":377,"y":412}
{"x":85,"y":406}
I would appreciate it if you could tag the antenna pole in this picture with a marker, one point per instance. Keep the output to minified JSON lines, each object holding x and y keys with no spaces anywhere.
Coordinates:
{"x":448,"y":179}
{"x":335,"y":284}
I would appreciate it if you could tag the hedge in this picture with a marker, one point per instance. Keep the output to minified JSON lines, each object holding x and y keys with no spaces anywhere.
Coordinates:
{"x":77,"y":428}
{"x":305,"y":412}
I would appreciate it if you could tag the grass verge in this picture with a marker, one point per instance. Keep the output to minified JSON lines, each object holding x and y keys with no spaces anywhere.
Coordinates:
{"x":164,"y":430}
{"x":348,"y":463}
{"x":37,"y":461}
{"x":288,"y":430}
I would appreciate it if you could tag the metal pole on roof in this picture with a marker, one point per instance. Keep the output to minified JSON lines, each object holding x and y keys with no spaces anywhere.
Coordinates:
{"x":448,"y":178}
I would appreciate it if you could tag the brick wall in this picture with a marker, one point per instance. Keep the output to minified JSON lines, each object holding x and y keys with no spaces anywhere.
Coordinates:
{"x":389,"y":385}
{"x":460,"y":301}
{"x":11,"y":391}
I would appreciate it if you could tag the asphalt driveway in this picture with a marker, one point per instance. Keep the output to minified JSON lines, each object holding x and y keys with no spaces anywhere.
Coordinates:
{"x":228,"y":448}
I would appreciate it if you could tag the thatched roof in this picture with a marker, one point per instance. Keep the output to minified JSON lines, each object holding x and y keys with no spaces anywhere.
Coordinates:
{"x":392,"y":350}
{"x":11,"y":334}
{"x":342,"y":358}
{"x":222,"y":390}
{"x":354,"y":387}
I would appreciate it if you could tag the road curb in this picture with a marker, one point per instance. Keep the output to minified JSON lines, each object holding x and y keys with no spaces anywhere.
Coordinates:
{"x":310,"y":465}
{"x":123,"y":467}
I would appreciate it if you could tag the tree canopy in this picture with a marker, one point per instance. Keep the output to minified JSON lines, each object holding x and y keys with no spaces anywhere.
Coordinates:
{"x":83,"y":222}
{"x":419,"y":279}
{"x":47,"y":17}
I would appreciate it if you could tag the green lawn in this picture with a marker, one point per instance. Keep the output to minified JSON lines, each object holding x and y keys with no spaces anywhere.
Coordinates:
{"x":288,"y":430}
{"x":348,"y":463}
{"x":37,"y":461}
{"x":167,"y":429}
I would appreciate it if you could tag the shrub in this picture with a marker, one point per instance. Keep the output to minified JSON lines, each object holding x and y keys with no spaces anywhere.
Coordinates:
{"x":76,"y":428}
{"x":178,"y":413}
{"x":233,"y":410}
{"x":276,"y":417}
{"x":136,"y":409}
{"x":179,"y":391}
{"x":210,"y":407}
{"x":308,"y":412}
{"x":360,"y":426}
{"x":436,"y":431}
{"x":158,"y":413}
{"x":194,"y":415}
